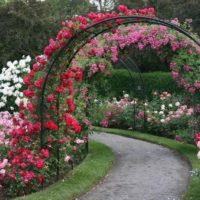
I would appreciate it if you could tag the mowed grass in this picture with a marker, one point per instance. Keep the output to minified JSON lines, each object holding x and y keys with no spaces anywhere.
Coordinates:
{"x":186,"y":150}
{"x":81,"y":179}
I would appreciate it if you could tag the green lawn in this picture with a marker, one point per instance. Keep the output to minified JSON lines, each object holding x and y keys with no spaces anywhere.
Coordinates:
{"x":82,"y":178}
{"x":186,"y":150}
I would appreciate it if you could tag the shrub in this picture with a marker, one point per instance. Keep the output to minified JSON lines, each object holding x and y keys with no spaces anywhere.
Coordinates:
{"x":120,"y":80}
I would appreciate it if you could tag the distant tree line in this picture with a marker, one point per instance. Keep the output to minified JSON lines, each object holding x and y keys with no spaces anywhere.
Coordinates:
{"x":27,"y":25}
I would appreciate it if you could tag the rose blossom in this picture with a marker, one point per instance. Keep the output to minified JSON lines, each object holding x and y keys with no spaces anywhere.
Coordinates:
{"x":67,"y":158}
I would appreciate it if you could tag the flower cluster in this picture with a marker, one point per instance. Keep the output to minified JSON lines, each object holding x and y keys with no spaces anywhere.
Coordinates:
{"x":106,"y":48}
{"x":11,"y":83}
{"x":197,"y":140}
{"x":165,"y":113}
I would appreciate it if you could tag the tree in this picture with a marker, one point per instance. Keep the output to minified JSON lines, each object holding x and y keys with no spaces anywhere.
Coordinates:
{"x":26,"y":25}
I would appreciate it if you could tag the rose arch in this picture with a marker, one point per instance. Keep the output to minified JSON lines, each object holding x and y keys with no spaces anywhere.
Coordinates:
{"x":53,"y":125}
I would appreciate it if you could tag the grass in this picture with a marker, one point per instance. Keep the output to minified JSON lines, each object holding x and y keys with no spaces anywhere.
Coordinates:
{"x":186,"y":150}
{"x":82,"y":178}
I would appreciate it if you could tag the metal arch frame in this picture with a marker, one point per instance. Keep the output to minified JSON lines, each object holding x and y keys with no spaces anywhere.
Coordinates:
{"x":131,"y":20}
{"x":79,"y":40}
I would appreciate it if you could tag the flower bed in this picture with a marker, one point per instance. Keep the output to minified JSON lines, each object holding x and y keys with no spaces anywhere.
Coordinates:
{"x":165,"y":115}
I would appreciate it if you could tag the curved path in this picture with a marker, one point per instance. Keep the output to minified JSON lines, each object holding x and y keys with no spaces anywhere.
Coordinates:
{"x":142,"y":171}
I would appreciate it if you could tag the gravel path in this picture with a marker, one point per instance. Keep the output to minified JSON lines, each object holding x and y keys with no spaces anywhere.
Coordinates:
{"x":142,"y":171}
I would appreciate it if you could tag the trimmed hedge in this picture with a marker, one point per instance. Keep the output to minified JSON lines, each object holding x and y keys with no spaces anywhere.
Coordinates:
{"x":121,"y":80}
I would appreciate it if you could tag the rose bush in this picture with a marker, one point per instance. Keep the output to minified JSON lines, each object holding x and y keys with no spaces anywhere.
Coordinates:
{"x":11,"y":83}
{"x":165,"y":114}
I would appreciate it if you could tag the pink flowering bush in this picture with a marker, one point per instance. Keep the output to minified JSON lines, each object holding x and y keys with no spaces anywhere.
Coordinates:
{"x":165,"y":114}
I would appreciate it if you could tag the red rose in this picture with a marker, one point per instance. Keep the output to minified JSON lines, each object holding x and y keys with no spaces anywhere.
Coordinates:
{"x":51,"y":125}
{"x":40,"y":179}
{"x":28,"y":93}
{"x":27,"y":80}
{"x":35,"y":67}
{"x":70,"y":104}
{"x":34,"y":128}
{"x":19,"y":132}
{"x":23,"y":165}
{"x":122,"y":8}
{"x":59,"y":89}
{"x":30,"y":107}
{"x":49,"y":140}
{"x":38,"y":83}
{"x":197,"y":137}
{"x":39,"y":164}
{"x":143,"y":11}
{"x":152,"y":10}
{"x":79,"y":76}
{"x":25,"y":138}
{"x":44,"y":153}
{"x":11,"y":176}
{"x":50,"y":98}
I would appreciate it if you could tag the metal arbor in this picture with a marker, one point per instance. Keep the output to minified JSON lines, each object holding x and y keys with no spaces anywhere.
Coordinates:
{"x":67,"y":53}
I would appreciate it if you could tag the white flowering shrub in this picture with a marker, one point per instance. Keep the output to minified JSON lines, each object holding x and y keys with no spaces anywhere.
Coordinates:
{"x":11,"y":83}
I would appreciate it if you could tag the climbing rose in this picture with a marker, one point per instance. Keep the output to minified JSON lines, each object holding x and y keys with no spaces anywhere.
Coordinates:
{"x":50,"y":98}
{"x":70,"y":104}
{"x":39,"y":164}
{"x":51,"y":125}
{"x":28,"y":93}
{"x":38,"y":83}
{"x":67,"y":158}
{"x":198,"y":144}
{"x":44,"y":153}
{"x":198,"y":155}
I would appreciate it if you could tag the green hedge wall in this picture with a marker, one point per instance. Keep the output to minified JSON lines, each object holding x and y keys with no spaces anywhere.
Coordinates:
{"x":121,"y":80}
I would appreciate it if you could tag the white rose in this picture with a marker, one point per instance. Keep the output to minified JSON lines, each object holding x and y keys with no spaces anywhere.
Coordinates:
{"x":198,"y":155}
{"x":177,"y":104}
{"x":18,"y":86}
{"x":162,"y":120}
{"x":28,"y":59}
{"x":9,"y":63}
{"x":4,"y":99}
{"x":162,"y":107}
{"x":155,"y":111}
{"x":126,"y":95}
{"x":15,"y":62}
{"x":22,"y":63}
{"x":2,"y":104}
{"x":11,"y":108}
{"x":17,"y":101}
{"x":170,"y":105}
{"x":161,"y":112}
{"x":198,"y":144}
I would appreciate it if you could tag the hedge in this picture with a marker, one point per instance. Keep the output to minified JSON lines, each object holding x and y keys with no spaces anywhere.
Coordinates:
{"x":121,"y":80}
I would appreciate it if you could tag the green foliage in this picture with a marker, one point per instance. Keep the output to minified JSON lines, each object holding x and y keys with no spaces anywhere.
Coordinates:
{"x":26,"y":26}
{"x":120,"y":80}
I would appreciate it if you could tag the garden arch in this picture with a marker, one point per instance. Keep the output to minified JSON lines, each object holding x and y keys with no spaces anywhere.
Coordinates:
{"x":81,"y":38}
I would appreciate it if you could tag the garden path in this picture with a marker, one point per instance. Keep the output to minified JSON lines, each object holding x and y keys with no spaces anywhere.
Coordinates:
{"x":142,"y":171}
